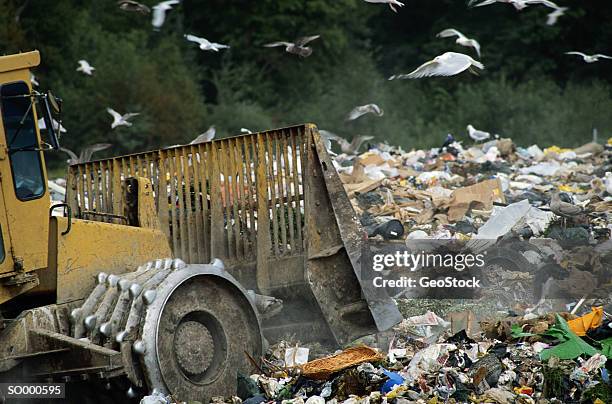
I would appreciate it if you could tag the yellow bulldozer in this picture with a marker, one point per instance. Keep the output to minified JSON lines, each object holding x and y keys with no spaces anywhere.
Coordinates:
{"x":145,"y":277}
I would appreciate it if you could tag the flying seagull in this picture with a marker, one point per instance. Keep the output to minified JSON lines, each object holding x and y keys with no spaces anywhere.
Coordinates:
{"x":298,"y":47}
{"x":391,"y":3}
{"x":206,"y":136}
{"x":120,"y":120}
{"x":42,"y":125}
{"x":447,"y":64}
{"x":461,"y":39}
{"x":364,"y":109}
{"x":354,"y":145}
{"x":85,"y":154}
{"x":555,"y":14}
{"x":85,"y":67}
{"x":205,"y":44}
{"x":518,"y":4}
{"x":590,"y":58}
{"x":477,"y":135}
{"x":159,"y":12}
{"x":134,"y":6}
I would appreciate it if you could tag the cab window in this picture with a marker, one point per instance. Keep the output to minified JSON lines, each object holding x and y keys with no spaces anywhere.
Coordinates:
{"x":20,"y":132}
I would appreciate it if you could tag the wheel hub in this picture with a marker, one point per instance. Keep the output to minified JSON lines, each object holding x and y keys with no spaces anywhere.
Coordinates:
{"x":194,"y":347}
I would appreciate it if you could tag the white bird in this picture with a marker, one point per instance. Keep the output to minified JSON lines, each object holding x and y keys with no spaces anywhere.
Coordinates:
{"x":447,"y":64}
{"x":206,"y":136}
{"x":518,"y":4}
{"x":120,"y":120}
{"x":85,"y":154}
{"x":42,"y":125}
{"x":205,"y":44}
{"x":159,"y":12}
{"x":461,"y":39}
{"x":298,"y":47}
{"x":33,"y":80}
{"x":478,"y":135}
{"x":590,"y":58}
{"x":391,"y":3}
{"x":364,"y":109}
{"x":245,"y":131}
{"x":555,"y":14}
{"x":85,"y":67}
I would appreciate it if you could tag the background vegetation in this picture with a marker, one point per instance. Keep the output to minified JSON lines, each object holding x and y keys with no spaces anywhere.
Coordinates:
{"x":530,"y":90}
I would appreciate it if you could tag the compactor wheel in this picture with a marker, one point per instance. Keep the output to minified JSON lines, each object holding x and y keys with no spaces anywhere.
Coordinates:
{"x":183,"y":330}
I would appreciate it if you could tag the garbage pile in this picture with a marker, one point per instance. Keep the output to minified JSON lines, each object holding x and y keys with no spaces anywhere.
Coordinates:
{"x":549,"y":210}
{"x":453,"y":191}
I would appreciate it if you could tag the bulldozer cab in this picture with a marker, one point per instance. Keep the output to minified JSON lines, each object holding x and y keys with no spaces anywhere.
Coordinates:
{"x":24,"y":204}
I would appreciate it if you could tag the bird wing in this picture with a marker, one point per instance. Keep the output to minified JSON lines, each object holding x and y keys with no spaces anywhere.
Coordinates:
{"x":159,"y":16}
{"x":116,"y":115}
{"x":476,"y":46}
{"x":575,"y":53}
{"x":88,"y":151}
{"x":450,"y":32}
{"x":196,"y":39}
{"x":130,"y":115}
{"x":70,"y":153}
{"x":484,"y":3}
{"x":305,"y":39}
{"x":275,"y":44}
{"x":376,"y":109}
{"x":327,"y":135}
{"x":547,"y":3}
{"x":453,"y":64}
{"x":219,"y":45}
{"x":356,"y":112}
{"x":599,"y":55}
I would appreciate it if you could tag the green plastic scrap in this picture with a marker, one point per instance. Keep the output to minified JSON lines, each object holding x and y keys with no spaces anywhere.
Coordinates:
{"x":606,"y":347}
{"x":571,"y":347}
{"x":517,"y":332}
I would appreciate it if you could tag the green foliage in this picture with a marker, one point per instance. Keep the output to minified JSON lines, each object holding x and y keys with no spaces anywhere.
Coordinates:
{"x":530,"y":90}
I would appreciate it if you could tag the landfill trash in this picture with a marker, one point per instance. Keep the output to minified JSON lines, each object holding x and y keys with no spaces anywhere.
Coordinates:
{"x":296,"y":356}
{"x":517,"y":342}
{"x":156,"y":398}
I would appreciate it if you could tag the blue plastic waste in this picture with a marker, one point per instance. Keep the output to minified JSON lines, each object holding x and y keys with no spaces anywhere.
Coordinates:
{"x":394,"y":380}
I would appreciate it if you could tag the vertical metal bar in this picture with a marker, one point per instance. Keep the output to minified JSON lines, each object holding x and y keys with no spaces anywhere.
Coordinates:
{"x":278,"y":184}
{"x":228,"y":197}
{"x":184,"y":243}
{"x":235,"y":189}
{"x":205,"y":163}
{"x":197,"y":200}
{"x":245,"y":170}
{"x":218,"y":238}
{"x":264,"y":246}
{"x":133,"y":172}
{"x":90,"y":198}
{"x":190,"y":244}
{"x":250,"y":153}
{"x":116,"y":188}
{"x":288,"y":180}
{"x":273,"y":200}
{"x":103,"y":194}
{"x":295,"y":139}
{"x":163,"y":203}
{"x":81,"y":189}
{"x":173,"y":203}
{"x":72,"y":198}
